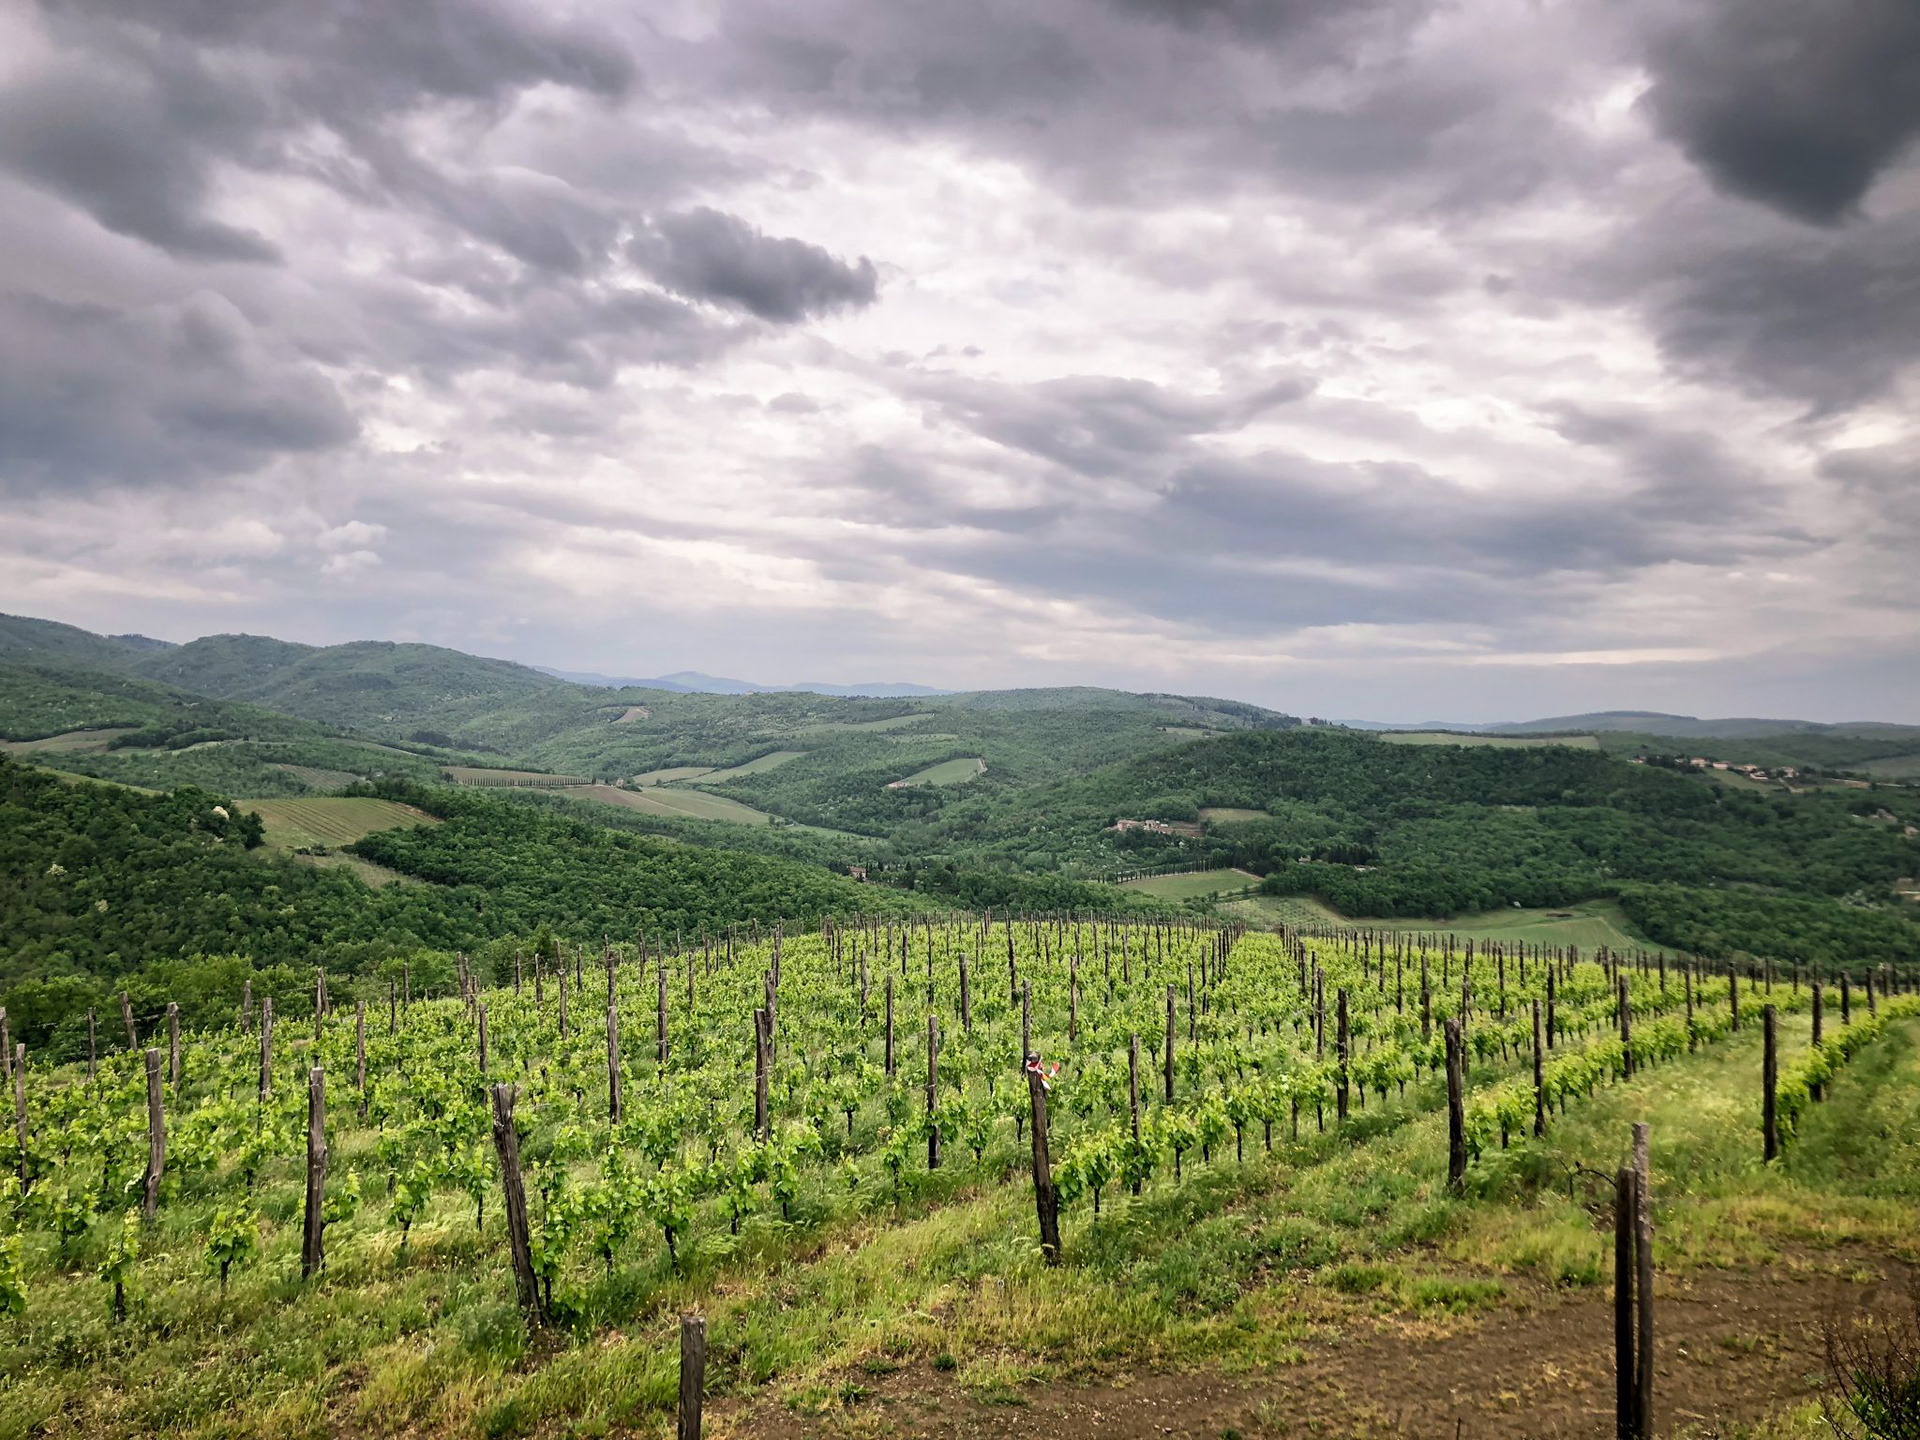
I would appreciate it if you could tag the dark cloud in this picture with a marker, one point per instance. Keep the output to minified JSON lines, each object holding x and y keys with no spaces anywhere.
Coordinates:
{"x":707,"y":255}
{"x":1796,"y":106}
{"x":169,"y":394}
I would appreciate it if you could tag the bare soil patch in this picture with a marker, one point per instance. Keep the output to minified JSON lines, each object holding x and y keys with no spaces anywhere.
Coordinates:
{"x":1731,"y":1346}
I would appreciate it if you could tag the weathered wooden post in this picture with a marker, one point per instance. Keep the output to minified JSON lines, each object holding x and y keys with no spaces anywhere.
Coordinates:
{"x":1552,"y":1017}
{"x":319,"y":1006}
{"x":660,"y":1016}
{"x":1046,"y":1200}
{"x":1846,"y":998}
{"x":1341,"y":1056}
{"x":266,"y":1050}
{"x":1133,"y":1094}
{"x":1625,"y":1410}
{"x":1769,"y":1084}
{"x":1167,"y":1057}
{"x":933,"y":1058}
{"x":156,"y":1140}
{"x":889,"y":1024}
{"x":1073,"y":998}
{"x":613,"y":1063}
{"x":507,"y":1143}
{"x":312,"y":1246}
{"x":1539,"y":1075}
{"x":693,"y":1374}
{"x":480,"y":1022}
{"x":126,"y":1018}
{"x":1643,"y":1283}
{"x":1456,"y":1111}
{"x":966,"y":995}
{"x":761,"y":1059}
{"x":173,"y":1044}
{"x":246,"y":1006}
{"x":563,"y":1002}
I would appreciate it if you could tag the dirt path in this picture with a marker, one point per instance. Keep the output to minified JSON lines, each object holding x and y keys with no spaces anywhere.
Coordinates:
{"x":1731,"y":1346}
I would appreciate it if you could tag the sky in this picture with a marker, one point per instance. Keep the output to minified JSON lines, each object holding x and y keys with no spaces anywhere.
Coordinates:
{"x":1364,"y":358}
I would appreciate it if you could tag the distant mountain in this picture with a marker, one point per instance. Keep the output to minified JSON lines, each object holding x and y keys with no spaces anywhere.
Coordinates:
{"x":26,"y":641}
{"x":687,"y":682}
{"x":1654,"y":722}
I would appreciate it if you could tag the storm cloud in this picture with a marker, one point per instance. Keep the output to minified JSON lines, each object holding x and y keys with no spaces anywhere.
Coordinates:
{"x":1326,"y":354}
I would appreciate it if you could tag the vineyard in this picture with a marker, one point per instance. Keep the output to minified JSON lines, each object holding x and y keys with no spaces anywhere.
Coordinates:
{"x":388,"y":1212}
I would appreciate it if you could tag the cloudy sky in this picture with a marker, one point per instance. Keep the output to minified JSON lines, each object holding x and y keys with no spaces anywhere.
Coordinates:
{"x":1381,"y":358}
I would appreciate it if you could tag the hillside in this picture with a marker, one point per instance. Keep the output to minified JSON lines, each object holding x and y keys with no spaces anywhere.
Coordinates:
{"x":27,"y":641}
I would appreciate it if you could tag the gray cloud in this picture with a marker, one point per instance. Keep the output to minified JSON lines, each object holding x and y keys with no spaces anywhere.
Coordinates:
{"x":172,"y":393}
{"x":707,"y":255}
{"x":1798,"y":107}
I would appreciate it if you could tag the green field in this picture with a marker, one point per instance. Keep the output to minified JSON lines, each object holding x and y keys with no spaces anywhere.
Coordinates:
{"x":1893,"y":767}
{"x":1507,"y":742}
{"x":686,"y":804}
{"x":1588,"y":925}
{"x":1193,"y":887}
{"x":74,"y":742}
{"x":1228,"y":815}
{"x":947,"y":772}
{"x":333,"y":822}
{"x":671,"y":773}
{"x":475,"y":775}
{"x":892,"y":722}
{"x":318,"y":778}
{"x":772,"y":761}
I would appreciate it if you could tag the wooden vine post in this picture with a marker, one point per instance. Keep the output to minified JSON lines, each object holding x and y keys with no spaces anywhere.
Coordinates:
{"x":126,"y":1018}
{"x":613,"y":1064}
{"x":1456,"y":1111}
{"x":660,"y":1017}
{"x":1539,"y":1074}
{"x":156,"y":1140}
{"x":480,"y":1020}
{"x":1769,"y":1086}
{"x":889,"y":1024}
{"x":173,"y":1044}
{"x":1643,"y":1284}
{"x":1045,"y":1199}
{"x":266,"y":1050}
{"x":1819,"y":1007}
{"x":760,"y":1058}
{"x":1342,"y":1055}
{"x":693,"y":1374}
{"x":507,"y":1144}
{"x":312,"y":1246}
{"x":933,"y":1093}
{"x":1167,"y":1058}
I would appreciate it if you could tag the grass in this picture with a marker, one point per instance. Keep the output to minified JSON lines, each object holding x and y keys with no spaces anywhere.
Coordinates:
{"x":772,"y":761}
{"x":332,"y":822}
{"x":1589,"y":924}
{"x":1230,"y":1271}
{"x":318,"y":778}
{"x":1511,"y":742}
{"x":1893,"y":767}
{"x":1228,"y":815}
{"x":947,"y":772}
{"x":671,"y":773}
{"x":892,"y":722}
{"x":1192,"y":887}
{"x":74,"y":742}
{"x":687,"y":804}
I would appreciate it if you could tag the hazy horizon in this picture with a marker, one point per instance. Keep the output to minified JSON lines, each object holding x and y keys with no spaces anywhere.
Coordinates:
{"x":1374,"y":359}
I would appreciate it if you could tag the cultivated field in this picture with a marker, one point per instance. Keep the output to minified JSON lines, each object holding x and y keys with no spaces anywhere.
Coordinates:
{"x":1264,"y":1232}
{"x":947,"y":772}
{"x":333,"y":822}
{"x":671,"y":773}
{"x":74,"y":742}
{"x":755,"y":766}
{"x":319,"y":779}
{"x":1588,"y":925}
{"x":1510,"y":742}
{"x":537,"y":779}
{"x":686,"y":804}
{"x":1195,"y":886}
{"x":892,"y":722}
